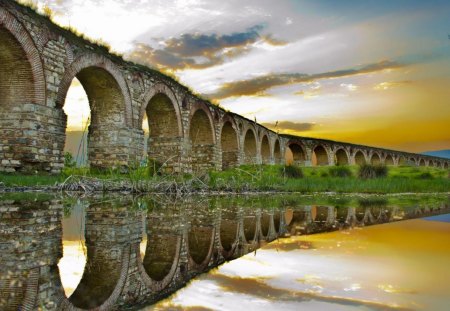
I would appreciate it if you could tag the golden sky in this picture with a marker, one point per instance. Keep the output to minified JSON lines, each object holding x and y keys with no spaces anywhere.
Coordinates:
{"x":374,"y":73}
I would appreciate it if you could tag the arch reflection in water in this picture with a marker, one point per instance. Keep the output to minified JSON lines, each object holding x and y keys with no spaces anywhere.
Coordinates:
{"x":73,"y":261}
{"x":184,"y":238}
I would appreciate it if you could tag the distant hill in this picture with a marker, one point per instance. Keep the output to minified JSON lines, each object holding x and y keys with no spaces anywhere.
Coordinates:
{"x":438,"y":153}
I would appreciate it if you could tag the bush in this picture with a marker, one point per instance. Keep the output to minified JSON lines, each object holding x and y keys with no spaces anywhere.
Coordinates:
{"x":68,"y":160}
{"x":425,"y":175}
{"x":292,"y":171}
{"x":153,"y":167}
{"x":368,"y":171}
{"x":339,"y":171}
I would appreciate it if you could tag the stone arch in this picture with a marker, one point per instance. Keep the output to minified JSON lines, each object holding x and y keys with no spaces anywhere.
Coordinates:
{"x":422,"y":162}
{"x":265,"y":221}
{"x":166,"y":109}
{"x":265,"y":149}
{"x":277,"y":222}
{"x":110,"y":105}
{"x":165,"y":127}
{"x":162,"y":255}
{"x":320,"y":155}
{"x":229,"y":141}
{"x":401,"y":161}
{"x":22,"y":85}
{"x":21,"y":64}
{"x":102,"y":297}
{"x":375,"y":159}
{"x":360,"y":158}
{"x":200,"y":245}
{"x":277,"y":152}
{"x":88,"y":65}
{"x":250,"y":150}
{"x":202,"y":138}
{"x":250,"y":228}
{"x":229,"y":227}
{"x":341,"y":157}
{"x":389,"y":160}
{"x":295,"y":154}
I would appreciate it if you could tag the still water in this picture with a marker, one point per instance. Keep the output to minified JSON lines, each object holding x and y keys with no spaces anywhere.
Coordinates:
{"x":274,"y":252}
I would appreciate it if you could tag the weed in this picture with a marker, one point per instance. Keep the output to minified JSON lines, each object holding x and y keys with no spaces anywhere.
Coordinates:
{"x":340,"y":171}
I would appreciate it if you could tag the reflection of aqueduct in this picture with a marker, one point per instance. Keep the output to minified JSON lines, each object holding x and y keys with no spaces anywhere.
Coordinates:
{"x":183,"y":240}
{"x":39,"y":60}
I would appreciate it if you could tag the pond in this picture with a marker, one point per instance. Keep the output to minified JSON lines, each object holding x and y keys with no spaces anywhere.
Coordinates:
{"x":286,"y":251}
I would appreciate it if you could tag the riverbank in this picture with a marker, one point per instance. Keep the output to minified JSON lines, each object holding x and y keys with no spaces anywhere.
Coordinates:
{"x":249,"y":178}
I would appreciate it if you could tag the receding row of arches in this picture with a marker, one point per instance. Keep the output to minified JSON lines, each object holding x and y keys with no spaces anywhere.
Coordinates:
{"x":101,"y":92}
{"x":320,"y":155}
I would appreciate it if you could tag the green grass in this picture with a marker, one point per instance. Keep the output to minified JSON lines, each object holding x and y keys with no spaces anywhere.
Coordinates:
{"x":265,"y":178}
{"x":317,"y":179}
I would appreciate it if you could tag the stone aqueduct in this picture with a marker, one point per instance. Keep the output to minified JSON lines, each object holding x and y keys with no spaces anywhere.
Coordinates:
{"x":39,"y":60}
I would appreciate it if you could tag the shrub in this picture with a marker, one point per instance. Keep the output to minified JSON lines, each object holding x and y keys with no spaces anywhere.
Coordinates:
{"x":68,"y":160}
{"x":339,"y":171}
{"x":292,"y":171}
{"x":153,"y":167}
{"x":425,"y":175}
{"x":368,"y":171}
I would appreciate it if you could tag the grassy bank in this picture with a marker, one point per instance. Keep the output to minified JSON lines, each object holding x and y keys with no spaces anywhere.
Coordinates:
{"x":325,"y":179}
{"x":245,"y":178}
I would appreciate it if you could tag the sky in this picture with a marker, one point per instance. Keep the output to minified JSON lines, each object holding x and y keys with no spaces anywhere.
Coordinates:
{"x":367,"y":72}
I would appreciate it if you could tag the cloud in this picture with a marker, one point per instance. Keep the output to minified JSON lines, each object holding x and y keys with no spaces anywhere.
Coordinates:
{"x":260,"y":85}
{"x":283,"y":126}
{"x":390,"y":85}
{"x":349,"y":86}
{"x":198,"y":51}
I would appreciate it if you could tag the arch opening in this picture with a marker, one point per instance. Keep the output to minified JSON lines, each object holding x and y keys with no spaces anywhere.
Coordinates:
{"x":360,"y":159}
{"x":160,"y":251}
{"x":202,"y":142}
{"x":319,"y":156}
{"x":276,"y":221}
{"x":422,"y":162}
{"x":73,"y":262}
{"x":200,"y":238}
{"x":17,"y":88}
{"x":16,"y":75}
{"x":389,"y":161}
{"x":106,"y":257}
{"x":228,"y":231}
{"x":445,"y":165}
{"x":105,"y":148}
{"x":375,"y":160}
{"x":402,"y":161}
{"x":341,"y":157}
{"x":265,"y":224}
{"x":295,"y":155}
{"x":230,"y":148}
{"x":161,"y":132}
{"x":265,"y":150}
{"x":250,"y":147}
{"x":250,"y":228}
{"x":277,"y":152}
{"x":78,"y":114}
